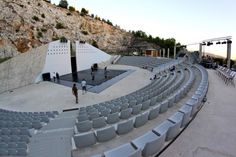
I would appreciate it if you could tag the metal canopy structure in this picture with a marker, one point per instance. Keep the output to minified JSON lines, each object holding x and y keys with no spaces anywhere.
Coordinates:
{"x":220,"y":40}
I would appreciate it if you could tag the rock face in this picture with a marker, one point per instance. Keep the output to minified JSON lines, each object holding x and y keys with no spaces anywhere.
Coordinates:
{"x":27,"y":24}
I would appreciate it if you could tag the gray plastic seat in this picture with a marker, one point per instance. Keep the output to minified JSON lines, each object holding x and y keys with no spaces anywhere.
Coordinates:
{"x":163,"y":128}
{"x":37,"y":125}
{"x":125,"y":150}
{"x":84,"y":126}
{"x":106,"y":134}
{"x":115,"y":109}
{"x":141,"y":119}
{"x":171,"y":100}
{"x":5,"y":131}
{"x":113,"y":118}
{"x":83,"y":117}
{"x":14,"y":138}
{"x":3,"y":152}
{"x":24,"y":131}
{"x":12,"y":151}
{"x":153,"y":101}
{"x":136,"y":109}
{"x":105,"y":112}
{"x":3,"y":145}
{"x":27,"y":124}
{"x":132,"y":103}
{"x":12,"y":145}
{"x":186,"y":110}
{"x":21,"y":145}
{"x":99,"y":122}
{"x":124,"y":106}
{"x":125,"y":127}
{"x":85,"y":139}
{"x":5,"y":138}
{"x":150,"y":143}
{"x":93,"y":115}
{"x":21,"y":151}
{"x":194,"y":104}
{"x":125,"y":114}
{"x":145,"y":105}
{"x":24,"y":138}
{"x":154,"y":112}
{"x":164,"y":106}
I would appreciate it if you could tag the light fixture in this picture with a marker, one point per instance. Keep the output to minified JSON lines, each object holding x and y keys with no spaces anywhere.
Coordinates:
{"x":218,"y":42}
{"x":209,"y":43}
{"x":203,"y":43}
{"x":229,"y":42}
{"x":224,"y":42}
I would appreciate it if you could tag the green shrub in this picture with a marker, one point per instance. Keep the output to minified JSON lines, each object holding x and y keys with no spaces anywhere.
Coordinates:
{"x":68,"y":14}
{"x":35,"y":18}
{"x":84,"y":32}
{"x":59,"y":26}
{"x":63,"y":4}
{"x":39,"y":35}
{"x":42,"y":15}
{"x":94,"y":43}
{"x":71,"y":8}
{"x":84,"y":12}
{"x":43,"y":29}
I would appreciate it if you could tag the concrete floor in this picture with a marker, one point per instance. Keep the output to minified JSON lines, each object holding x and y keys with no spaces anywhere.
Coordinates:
{"x":213,"y":132}
{"x":47,"y":96}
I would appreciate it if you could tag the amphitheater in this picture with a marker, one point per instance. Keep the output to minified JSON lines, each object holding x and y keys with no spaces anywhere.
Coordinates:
{"x":187,"y":111}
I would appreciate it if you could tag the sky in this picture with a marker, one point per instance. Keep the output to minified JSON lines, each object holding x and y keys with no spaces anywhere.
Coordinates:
{"x":188,"y":21}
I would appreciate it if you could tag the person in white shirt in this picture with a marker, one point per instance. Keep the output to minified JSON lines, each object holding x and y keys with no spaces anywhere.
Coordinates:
{"x":83,"y":84}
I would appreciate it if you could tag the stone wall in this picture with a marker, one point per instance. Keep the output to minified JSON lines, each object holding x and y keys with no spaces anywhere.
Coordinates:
{"x":23,"y":69}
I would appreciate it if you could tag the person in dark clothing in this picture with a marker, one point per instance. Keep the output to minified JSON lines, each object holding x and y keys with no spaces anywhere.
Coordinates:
{"x":75,"y":92}
{"x":93,"y":76}
{"x":58,"y":77}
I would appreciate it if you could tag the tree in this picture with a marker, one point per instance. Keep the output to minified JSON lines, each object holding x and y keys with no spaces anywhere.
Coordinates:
{"x":63,"y":4}
{"x":71,"y":8}
{"x":84,"y":12}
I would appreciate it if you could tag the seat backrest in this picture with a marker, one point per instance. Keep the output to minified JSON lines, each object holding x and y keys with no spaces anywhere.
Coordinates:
{"x":136,"y":109}
{"x":125,"y":127}
{"x":106,"y":134}
{"x":99,"y":122}
{"x":145,"y":105}
{"x":141,"y":119}
{"x":113,"y":118}
{"x":85,"y":139}
{"x":84,"y":126}
{"x":125,"y":114}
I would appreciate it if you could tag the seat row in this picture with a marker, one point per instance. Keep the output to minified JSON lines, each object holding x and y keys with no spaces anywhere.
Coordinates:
{"x":126,"y":111}
{"x":226,"y":74}
{"x":153,"y":141}
{"x":122,"y":127}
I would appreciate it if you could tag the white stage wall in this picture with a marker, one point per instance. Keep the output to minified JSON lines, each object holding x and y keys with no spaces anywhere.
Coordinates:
{"x":87,"y":55}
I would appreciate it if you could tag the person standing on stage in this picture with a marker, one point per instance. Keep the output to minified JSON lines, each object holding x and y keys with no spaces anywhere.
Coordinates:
{"x":75,"y":92}
{"x":83,"y":84}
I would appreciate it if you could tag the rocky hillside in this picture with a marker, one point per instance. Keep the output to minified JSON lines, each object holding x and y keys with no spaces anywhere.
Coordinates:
{"x":26,"y":24}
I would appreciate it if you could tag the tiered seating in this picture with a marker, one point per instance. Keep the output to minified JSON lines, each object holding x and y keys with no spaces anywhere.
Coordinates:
{"x":226,"y":74}
{"x":154,"y":140}
{"x":142,"y":62}
{"x":138,"y":107}
{"x":16,"y":129}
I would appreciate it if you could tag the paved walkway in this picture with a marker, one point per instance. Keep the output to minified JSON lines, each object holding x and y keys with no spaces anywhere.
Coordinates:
{"x":213,"y":132}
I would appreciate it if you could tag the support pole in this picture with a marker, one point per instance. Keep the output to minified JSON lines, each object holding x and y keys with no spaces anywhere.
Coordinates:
{"x":200,"y":51}
{"x":174,"y":51}
{"x":228,"y":52}
{"x":164,"y":53}
{"x":168,"y":53}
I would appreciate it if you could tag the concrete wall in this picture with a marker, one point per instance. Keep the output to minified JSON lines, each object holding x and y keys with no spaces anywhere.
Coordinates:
{"x":58,"y":59}
{"x":23,"y":69}
{"x":87,"y":55}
